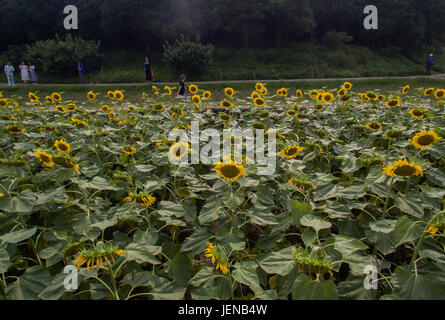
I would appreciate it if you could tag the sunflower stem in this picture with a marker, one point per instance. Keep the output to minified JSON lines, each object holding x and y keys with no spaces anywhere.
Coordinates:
{"x":387,"y":199}
{"x":113,"y":282}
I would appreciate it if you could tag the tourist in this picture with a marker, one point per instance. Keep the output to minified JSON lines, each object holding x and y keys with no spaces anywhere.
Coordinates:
{"x":148,"y":71}
{"x":32,"y":73}
{"x":24,"y":72}
{"x":429,"y":64}
{"x":9,"y":72}
{"x":181,"y":89}
{"x":82,"y":71}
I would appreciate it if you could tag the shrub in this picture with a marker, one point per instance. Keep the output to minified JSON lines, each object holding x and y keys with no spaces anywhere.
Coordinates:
{"x":335,"y":39}
{"x":188,"y":56}
{"x":13,"y":53}
{"x":56,"y":56}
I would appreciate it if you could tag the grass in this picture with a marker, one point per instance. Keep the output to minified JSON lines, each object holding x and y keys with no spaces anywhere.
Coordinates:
{"x":297,"y":61}
{"x":133,"y":92}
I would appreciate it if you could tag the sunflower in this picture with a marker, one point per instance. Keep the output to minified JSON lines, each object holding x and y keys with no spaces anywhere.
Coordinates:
{"x":260,"y":102}
{"x":96,"y":257}
{"x":393,"y":134}
{"x":231,"y":171}
{"x":179,"y":150}
{"x":111,"y":94}
{"x":229,"y":92}
{"x":142,"y":198}
{"x":313,"y":94}
{"x":226,"y":104}
{"x":56,"y":96}
{"x":424,"y":139}
{"x":3,"y":103}
{"x":105,"y":108}
{"x":61,"y":109}
{"x":224,"y":117}
{"x":118,"y":95}
{"x":33,"y":97}
{"x":66,"y":162}
{"x":193,"y":89}
{"x":291,"y":152}
{"x":405,"y":89}
{"x":392,"y":103}
{"x":282,"y":92}
{"x":381,"y":97}
{"x":328,"y":97}
{"x":45,"y":158}
{"x":428,"y":92}
{"x":436,"y":225}
{"x":342,"y":92}
{"x":374,"y":126}
{"x":129,"y":150}
{"x":79,"y":123}
{"x":196,"y":100}
{"x":311,"y":263}
{"x":158,"y":107}
{"x":259,"y":86}
{"x":207,"y":95}
{"x":168,"y":90}
{"x":301,"y":184}
{"x":439,"y":94}
{"x":345,"y":99}
{"x":372,"y":95}
{"x":255,"y":95}
{"x":14,"y":129}
{"x":403,"y":168}
{"x":264,"y":91}
{"x":219,"y":257}
{"x":418,"y":113}
{"x":155,"y":90}
{"x":111,"y":115}
{"x":299,"y":94}
{"x":347,"y":86}
{"x":71,"y":107}
{"x":62,"y":146}
{"x":91,"y":96}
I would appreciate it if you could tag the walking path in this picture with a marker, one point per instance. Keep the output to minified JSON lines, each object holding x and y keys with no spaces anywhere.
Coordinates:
{"x":436,"y":76}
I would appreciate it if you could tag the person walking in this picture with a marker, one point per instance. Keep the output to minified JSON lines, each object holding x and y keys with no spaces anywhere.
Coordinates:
{"x":429,"y":64}
{"x":9,"y":72}
{"x":181,"y":89}
{"x":82,"y":71}
{"x":24,"y":72}
{"x":32,"y":73}
{"x":148,"y":71}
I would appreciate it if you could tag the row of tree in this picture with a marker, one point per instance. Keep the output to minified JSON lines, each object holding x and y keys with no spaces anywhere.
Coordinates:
{"x":237,"y":23}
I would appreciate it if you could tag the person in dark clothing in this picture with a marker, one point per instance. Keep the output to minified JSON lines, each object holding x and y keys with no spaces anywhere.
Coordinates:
{"x":429,"y":64}
{"x":148,"y":71}
{"x":82,"y":71}
{"x":181,"y":89}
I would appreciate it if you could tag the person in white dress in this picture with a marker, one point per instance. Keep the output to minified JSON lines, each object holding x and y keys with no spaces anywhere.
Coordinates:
{"x":9,"y":72}
{"x":24,"y":72}
{"x":32,"y":73}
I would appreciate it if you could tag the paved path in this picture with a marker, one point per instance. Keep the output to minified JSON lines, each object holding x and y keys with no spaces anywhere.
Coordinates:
{"x":436,"y":76}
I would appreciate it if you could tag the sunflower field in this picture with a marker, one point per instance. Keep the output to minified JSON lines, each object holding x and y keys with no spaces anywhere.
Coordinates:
{"x":354,"y":210}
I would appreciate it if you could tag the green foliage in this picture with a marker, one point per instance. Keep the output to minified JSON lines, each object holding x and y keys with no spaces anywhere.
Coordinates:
{"x":188,"y":56}
{"x":336,"y":39}
{"x":58,"y":56}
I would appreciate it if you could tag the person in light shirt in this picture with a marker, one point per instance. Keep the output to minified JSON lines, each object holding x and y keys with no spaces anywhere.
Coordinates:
{"x":9,"y":72}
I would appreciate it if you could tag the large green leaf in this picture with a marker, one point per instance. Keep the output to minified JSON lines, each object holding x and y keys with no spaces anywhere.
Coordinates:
{"x":29,"y":285}
{"x":18,"y":236}
{"x":280,"y":262}
{"x":411,"y":285}
{"x":304,"y":288}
